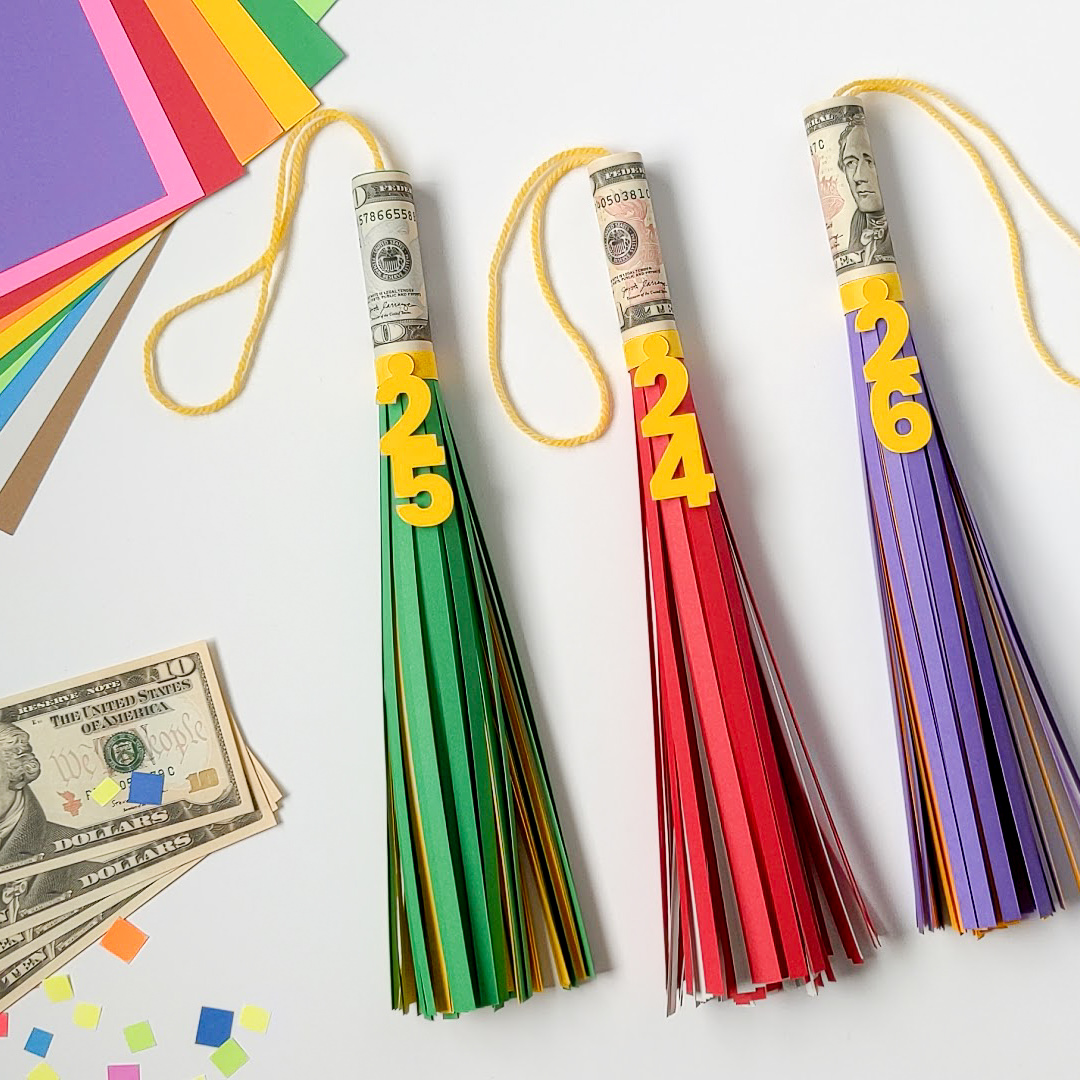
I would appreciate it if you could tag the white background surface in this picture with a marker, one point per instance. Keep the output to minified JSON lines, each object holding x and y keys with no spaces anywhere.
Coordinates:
{"x":258,"y":527}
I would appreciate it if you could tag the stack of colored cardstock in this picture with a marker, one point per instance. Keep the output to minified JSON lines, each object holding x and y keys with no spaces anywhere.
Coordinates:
{"x":119,"y":115}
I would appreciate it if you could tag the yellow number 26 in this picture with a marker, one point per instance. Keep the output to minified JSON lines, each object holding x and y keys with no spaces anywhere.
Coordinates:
{"x":889,"y":373}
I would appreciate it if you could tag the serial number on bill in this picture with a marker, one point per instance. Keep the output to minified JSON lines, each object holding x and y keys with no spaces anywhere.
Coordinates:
{"x":399,"y":213}
{"x":626,"y":195}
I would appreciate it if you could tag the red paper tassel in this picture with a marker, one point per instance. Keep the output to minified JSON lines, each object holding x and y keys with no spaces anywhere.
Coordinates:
{"x":757,"y":889}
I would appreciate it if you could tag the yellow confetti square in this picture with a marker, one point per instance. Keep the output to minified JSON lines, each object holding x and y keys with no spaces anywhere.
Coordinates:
{"x":43,"y":1072}
{"x":58,"y":988}
{"x":254,"y":1019}
{"x":87,"y":1016}
{"x":105,"y":792}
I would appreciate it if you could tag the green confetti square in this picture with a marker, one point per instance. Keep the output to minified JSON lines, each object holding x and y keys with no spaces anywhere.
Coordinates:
{"x":139,"y":1037}
{"x":229,"y":1057}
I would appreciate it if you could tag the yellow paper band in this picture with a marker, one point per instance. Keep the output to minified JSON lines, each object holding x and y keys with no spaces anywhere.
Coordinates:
{"x":851,"y":292}
{"x":634,"y":349}
{"x":423,"y":365}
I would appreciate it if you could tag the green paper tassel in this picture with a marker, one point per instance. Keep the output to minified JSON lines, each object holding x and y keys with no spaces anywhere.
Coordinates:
{"x":479,"y":874}
{"x":483,"y":907}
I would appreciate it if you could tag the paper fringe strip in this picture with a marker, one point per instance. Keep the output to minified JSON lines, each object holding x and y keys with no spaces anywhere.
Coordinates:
{"x":756,"y":884}
{"x":993,"y":795}
{"x":479,"y":876}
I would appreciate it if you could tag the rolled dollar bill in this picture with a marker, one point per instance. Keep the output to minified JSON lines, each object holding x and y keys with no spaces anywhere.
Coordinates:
{"x":847,"y":182}
{"x":624,"y":211}
{"x":393,"y":273}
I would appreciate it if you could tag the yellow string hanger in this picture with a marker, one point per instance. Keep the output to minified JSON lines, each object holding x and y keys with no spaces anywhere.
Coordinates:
{"x":289,"y":184}
{"x":918,"y":93}
{"x":537,"y":189}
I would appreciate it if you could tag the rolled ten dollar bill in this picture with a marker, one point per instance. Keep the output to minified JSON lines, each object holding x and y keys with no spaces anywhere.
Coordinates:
{"x":624,"y":212}
{"x":847,"y":181}
{"x":163,"y":714}
{"x":393,"y":272}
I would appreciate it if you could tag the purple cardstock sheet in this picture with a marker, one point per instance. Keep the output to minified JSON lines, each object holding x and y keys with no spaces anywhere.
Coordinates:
{"x":72,"y":156}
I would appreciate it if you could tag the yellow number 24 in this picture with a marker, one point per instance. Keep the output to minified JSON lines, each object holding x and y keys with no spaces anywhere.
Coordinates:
{"x":684,"y":448}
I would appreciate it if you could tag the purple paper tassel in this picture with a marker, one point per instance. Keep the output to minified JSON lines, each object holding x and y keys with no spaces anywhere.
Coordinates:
{"x":993,"y":796}
{"x":947,"y":621}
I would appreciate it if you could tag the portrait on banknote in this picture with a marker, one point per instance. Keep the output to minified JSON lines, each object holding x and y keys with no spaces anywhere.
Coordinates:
{"x":848,"y":187}
{"x":24,"y":828}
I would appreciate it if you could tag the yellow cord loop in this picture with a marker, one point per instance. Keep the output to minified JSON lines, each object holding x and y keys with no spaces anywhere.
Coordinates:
{"x":917,"y":93}
{"x":538,"y":188}
{"x":289,"y":184}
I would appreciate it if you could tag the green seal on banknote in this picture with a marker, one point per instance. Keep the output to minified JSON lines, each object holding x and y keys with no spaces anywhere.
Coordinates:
{"x":124,"y":752}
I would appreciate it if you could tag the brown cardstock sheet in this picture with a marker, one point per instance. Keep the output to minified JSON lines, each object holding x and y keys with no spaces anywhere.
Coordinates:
{"x":17,"y":493}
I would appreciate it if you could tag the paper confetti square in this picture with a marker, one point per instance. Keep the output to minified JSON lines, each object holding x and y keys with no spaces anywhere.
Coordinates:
{"x":146,"y":789}
{"x":42,"y":1072}
{"x":255,"y":1019}
{"x":124,"y":940}
{"x":3,"y":1025}
{"x":87,"y":1016}
{"x":38,"y":1042}
{"x":124,"y":1072}
{"x":105,"y":792}
{"x":215,"y":1027}
{"x":58,"y":988}
{"x":139,"y":1037}
{"x":229,"y":1057}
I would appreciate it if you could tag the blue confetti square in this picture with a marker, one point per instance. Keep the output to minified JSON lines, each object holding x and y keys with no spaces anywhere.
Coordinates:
{"x":38,"y":1042}
{"x":146,"y":789}
{"x":215,"y":1027}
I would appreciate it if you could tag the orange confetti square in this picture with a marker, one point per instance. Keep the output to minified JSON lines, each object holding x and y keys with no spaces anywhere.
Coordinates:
{"x":124,"y":940}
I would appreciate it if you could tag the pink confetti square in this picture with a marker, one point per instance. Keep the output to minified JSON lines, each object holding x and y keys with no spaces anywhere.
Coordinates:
{"x":124,"y":1072}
